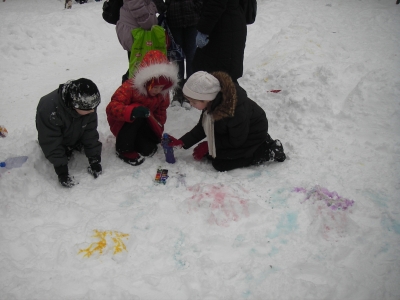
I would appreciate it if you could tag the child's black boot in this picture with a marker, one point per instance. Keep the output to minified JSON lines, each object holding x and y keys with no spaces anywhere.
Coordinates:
{"x":132,"y":158}
{"x":277,"y":153}
{"x":177,"y":97}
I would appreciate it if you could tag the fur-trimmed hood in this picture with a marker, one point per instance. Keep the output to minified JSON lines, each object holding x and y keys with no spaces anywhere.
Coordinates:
{"x":155,"y":65}
{"x":223,"y":106}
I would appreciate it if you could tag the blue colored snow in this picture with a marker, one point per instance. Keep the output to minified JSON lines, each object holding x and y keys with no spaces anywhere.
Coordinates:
{"x":390,"y":224}
{"x":286,"y":225}
{"x":274,"y":251}
{"x":177,"y":251}
{"x":377,"y":197}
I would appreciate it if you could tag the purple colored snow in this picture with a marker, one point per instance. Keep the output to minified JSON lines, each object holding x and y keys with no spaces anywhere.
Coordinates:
{"x":332,"y":199}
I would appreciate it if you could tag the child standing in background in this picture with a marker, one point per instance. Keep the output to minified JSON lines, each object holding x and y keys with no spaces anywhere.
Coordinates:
{"x":138,"y":109}
{"x":134,"y":14}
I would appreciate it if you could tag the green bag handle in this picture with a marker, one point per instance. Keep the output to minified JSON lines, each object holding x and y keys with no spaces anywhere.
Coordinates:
{"x":144,"y":41}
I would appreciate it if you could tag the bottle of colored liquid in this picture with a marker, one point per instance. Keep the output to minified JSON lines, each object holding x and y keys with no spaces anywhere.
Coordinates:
{"x":168,"y":151}
{"x":13,"y":162}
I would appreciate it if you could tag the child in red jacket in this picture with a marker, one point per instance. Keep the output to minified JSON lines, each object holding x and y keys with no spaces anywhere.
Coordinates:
{"x":138,"y":109}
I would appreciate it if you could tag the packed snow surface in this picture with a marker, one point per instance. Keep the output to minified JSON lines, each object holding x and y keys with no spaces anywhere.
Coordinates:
{"x":324,"y":224}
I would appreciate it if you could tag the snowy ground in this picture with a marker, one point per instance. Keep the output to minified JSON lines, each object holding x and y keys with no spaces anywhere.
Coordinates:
{"x":257,"y":233}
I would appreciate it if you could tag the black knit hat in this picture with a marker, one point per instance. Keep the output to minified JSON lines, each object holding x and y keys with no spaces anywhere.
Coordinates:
{"x":81,"y":94}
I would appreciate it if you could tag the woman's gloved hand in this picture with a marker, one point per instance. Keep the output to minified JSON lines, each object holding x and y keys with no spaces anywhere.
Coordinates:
{"x":200,"y":151}
{"x":173,"y":142}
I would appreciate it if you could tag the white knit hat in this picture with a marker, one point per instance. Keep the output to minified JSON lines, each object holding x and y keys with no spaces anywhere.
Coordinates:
{"x":201,"y":86}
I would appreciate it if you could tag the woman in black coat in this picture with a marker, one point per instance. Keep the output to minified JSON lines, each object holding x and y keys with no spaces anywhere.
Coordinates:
{"x":221,"y":38}
{"x":235,"y":126}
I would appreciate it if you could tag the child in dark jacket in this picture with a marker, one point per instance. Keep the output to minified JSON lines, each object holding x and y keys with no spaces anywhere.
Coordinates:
{"x":66,"y":120}
{"x":235,"y":126}
{"x":138,"y":109}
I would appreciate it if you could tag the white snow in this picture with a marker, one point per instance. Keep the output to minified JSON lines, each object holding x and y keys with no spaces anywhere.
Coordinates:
{"x":245,"y":234}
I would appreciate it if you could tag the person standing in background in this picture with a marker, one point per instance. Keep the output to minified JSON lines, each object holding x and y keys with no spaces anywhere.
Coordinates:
{"x":221,"y":38}
{"x":134,"y":14}
{"x":182,"y":18}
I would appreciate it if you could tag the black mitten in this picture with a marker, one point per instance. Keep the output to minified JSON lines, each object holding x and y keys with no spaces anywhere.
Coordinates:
{"x":67,"y":181}
{"x":94,"y":167}
{"x":140,"y":112}
{"x":63,"y":176}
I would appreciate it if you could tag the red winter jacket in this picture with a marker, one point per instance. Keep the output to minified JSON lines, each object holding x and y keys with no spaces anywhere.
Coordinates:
{"x":133,"y":93}
{"x":126,"y":98}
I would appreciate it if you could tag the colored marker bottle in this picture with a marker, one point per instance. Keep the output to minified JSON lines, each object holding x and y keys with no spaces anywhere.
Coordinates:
{"x":168,"y":151}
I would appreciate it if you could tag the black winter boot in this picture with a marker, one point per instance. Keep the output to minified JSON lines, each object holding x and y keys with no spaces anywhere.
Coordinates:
{"x":270,"y":150}
{"x":277,"y":151}
{"x":132,"y":158}
{"x":178,"y":99}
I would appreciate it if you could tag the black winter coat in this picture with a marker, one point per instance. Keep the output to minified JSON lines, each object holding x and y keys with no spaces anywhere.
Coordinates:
{"x":224,"y":22}
{"x":59,"y":127}
{"x":240,"y":124}
{"x":180,"y":13}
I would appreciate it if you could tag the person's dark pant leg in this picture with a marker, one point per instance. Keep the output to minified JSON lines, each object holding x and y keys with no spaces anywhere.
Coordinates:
{"x":223,"y":165}
{"x":186,"y":38}
{"x":178,"y":37}
{"x":126,"y":137}
{"x":189,"y":48}
{"x":125,"y":77}
{"x":137,"y":137}
{"x":146,"y":140}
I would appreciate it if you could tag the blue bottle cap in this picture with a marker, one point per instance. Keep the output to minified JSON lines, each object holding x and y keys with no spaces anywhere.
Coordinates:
{"x":2,"y":164}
